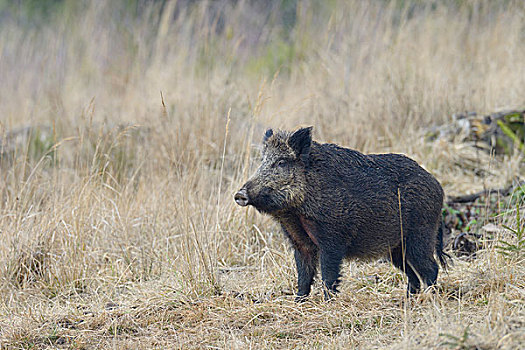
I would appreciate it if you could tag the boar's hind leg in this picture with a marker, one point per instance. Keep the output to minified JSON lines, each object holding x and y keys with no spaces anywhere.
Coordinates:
{"x":413,"y":280}
{"x":306,"y":268}
{"x":330,"y":268}
{"x":420,"y":254}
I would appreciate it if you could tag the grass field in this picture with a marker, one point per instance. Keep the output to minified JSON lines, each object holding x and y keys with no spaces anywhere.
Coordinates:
{"x":124,"y":135}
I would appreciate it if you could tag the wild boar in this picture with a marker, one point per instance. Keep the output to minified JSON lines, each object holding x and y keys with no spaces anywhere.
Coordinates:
{"x":335,"y":203}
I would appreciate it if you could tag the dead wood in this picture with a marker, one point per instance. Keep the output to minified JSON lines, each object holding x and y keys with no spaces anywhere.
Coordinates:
{"x":472,"y":197}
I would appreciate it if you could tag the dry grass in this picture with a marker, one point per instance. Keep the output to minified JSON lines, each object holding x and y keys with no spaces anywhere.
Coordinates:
{"x":116,"y":214}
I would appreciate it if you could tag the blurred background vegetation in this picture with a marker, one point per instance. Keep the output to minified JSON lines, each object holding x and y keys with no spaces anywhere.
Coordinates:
{"x":272,"y":38}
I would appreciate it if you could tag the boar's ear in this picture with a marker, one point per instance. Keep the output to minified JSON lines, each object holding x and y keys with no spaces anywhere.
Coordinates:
{"x":267,"y":135}
{"x":300,"y":141}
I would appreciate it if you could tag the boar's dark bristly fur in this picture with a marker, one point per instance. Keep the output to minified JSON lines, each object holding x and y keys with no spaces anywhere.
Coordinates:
{"x":335,"y":203}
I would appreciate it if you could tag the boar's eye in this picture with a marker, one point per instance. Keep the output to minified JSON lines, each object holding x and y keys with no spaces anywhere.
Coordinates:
{"x":280,"y":163}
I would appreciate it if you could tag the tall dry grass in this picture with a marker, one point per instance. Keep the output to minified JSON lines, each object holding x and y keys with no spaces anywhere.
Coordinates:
{"x":116,"y":214}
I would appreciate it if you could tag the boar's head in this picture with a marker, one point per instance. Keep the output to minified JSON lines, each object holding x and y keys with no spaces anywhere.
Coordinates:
{"x":280,"y":181}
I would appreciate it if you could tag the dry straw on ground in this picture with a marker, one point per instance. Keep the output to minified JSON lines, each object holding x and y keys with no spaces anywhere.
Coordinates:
{"x":116,"y":214}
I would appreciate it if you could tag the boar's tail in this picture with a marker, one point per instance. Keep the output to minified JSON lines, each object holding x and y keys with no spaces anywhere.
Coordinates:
{"x":442,"y":256}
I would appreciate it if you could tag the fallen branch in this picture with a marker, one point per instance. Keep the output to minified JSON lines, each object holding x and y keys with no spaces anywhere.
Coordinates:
{"x":472,"y":197}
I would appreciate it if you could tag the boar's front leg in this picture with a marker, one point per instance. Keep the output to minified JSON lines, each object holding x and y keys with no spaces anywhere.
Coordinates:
{"x":330,"y":267}
{"x":305,"y":253}
{"x":331,"y":254}
{"x":306,"y":263}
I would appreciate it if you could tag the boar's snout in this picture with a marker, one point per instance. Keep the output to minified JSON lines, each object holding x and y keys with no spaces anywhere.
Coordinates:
{"x":241,"y":197}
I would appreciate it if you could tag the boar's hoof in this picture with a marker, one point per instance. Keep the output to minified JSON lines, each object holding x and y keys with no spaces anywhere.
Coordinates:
{"x":301,"y":298}
{"x":241,"y":198}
